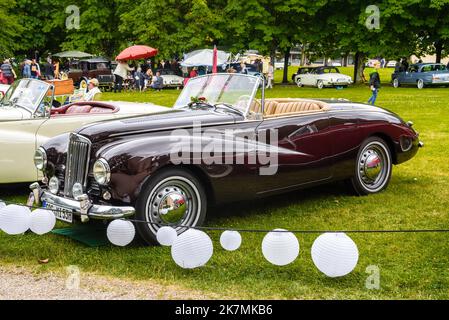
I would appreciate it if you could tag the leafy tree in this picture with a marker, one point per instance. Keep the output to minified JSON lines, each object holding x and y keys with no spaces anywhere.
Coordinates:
{"x":11,"y":28}
{"x":431,"y":25}
{"x":98,"y":31}
{"x":39,"y":28}
{"x":174,"y":26}
{"x":268,"y":25}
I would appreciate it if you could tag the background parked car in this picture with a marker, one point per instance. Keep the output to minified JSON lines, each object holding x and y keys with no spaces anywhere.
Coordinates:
{"x":251,"y":69}
{"x":321,"y":77}
{"x":421,"y":75}
{"x":371,"y":63}
{"x":301,"y":70}
{"x":171,"y":79}
{"x":83,"y":70}
{"x":391,"y":64}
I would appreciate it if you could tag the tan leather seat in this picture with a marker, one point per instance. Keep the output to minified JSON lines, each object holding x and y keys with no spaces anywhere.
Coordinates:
{"x":299,"y":106}
{"x":255,"y":106}
{"x":270,"y":107}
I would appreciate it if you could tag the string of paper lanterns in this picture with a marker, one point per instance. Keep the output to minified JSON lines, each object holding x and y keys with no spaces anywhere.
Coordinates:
{"x":334,"y":253}
{"x":17,"y":219}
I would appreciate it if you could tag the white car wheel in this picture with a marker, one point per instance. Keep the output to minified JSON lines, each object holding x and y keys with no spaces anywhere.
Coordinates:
{"x":298,"y":82}
{"x":320,"y":84}
{"x":420,"y":84}
{"x":396,"y":83}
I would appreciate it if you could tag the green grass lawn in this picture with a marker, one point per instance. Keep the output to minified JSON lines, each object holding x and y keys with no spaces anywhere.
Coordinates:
{"x":412,"y":266}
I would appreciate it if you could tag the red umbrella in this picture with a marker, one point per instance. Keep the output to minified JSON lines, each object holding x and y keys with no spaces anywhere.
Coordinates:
{"x":136,"y":53}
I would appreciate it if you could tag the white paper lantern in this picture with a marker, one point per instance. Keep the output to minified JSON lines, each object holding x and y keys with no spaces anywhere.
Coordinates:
{"x":2,"y":204}
{"x":192,"y":249}
{"x":121,"y":232}
{"x":166,"y":236}
{"x":230,"y":240}
{"x":42,"y":221}
{"x":335,"y":254}
{"x":280,"y":248}
{"x":15,"y":219}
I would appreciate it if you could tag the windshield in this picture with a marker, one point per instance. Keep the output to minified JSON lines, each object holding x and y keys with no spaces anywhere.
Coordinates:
{"x":26,"y":93}
{"x":237,"y":90}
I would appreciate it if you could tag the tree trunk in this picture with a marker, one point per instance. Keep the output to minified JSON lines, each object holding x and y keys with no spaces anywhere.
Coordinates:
{"x":358,"y":67}
{"x":438,"y":50}
{"x":303,"y":56}
{"x":286,"y":59}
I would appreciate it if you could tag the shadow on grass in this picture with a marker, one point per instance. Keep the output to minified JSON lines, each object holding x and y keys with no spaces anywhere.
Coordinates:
{"x":247,"y":208}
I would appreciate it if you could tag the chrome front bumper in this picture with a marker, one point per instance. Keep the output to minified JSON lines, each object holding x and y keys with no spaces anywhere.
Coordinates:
{"x":82,"y":206}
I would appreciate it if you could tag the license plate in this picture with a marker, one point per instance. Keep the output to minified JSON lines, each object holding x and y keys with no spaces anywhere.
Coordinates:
{"x":60,"y":213}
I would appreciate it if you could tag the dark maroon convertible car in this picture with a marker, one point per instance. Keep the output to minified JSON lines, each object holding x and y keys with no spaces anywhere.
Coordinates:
{"x":221,"y":142}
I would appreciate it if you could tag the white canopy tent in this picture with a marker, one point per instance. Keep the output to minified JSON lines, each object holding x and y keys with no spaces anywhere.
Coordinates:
{"x":204,"y":57}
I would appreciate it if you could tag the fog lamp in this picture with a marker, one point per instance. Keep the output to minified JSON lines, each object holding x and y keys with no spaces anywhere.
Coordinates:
{"x":53,"y":185}
{"x":77,"y":190}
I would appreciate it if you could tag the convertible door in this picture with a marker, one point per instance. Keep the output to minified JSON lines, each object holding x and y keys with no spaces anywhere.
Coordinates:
{"x":303,"y":146}
{"x":17,"y":147}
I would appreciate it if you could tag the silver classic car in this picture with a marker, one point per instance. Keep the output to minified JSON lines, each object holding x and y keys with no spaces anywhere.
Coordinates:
{"x":421,"y":75}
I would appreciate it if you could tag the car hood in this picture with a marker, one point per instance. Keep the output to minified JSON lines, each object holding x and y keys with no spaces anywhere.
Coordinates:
{"x":11,"y":113}
{"x":167,"y":120}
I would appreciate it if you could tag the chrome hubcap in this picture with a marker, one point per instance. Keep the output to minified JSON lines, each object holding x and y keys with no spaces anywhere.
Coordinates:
{"x":171,"y":205}
{"x":373,"y":167}
{"x":174,"y":201}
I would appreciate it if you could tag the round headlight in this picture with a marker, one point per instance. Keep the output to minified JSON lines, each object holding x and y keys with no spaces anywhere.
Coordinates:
{"x":40,"y":159}
{"x":53,"y":185}
{"x":102,"y":172}
{"x":77,"y":190}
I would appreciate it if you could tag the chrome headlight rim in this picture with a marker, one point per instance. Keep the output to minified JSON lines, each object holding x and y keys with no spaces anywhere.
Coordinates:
{"x":102,"y":172}
{"x":40,"y":155}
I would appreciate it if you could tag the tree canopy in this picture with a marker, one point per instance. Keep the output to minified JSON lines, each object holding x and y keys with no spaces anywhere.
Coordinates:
{"x":322,"y":27}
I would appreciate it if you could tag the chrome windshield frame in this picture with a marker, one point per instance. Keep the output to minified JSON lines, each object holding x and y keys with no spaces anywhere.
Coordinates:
{"x":253,"y":94}
{"x":41,"y":95}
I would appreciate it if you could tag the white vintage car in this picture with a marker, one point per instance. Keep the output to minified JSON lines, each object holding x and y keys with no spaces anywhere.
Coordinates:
{"x":321,"y":77}
{"x":27,"y":120}
{"x":171,"y":79}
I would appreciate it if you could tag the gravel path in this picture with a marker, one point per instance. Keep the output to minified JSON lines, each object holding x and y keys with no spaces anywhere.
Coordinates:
{"x":20,"y":283}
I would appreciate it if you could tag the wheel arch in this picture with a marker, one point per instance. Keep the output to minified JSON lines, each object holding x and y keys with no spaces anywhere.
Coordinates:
{"x":192,"y":169}
{"x":390,"y":143}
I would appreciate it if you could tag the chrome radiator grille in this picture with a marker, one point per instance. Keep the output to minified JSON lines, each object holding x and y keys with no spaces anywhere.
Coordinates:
{"x":77,"y":165}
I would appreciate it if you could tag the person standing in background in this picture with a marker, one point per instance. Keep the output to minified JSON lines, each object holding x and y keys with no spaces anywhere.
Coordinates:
{"x":121,"y":73}
{"x":56,"y":68}
{"x":8,"y":72}
{"x":49,"y":69}
{"x":35,"y":69}
{"x":243,"y":68}
{"x":26,"y":72}
{"x":374,"y":83}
